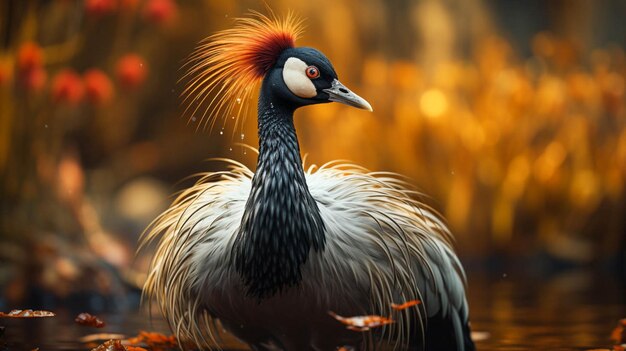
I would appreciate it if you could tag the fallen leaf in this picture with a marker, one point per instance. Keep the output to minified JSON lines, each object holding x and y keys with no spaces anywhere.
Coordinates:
{"x":405,"y":305}
{"x":619,"y":333}
{"x":153,"y":340}
{"x":111,"y":345}
{"x":362,"y":323}
{"x":89,"y":320}
{"x":26,"y":314}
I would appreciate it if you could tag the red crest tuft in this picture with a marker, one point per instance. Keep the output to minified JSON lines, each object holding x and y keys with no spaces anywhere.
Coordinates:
{"x":226,"y":67}
{"x":265,"y":51}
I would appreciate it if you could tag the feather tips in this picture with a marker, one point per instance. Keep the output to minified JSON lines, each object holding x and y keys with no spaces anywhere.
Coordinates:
{"x":224,"y":69}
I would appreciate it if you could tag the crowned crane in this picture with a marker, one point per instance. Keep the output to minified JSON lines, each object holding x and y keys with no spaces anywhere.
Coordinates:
{"x":267,"y":255}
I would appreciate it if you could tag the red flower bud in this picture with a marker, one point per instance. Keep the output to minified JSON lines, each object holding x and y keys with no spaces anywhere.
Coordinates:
{"x":100,"y":7}
{"x":29,"y":56}
{"x":131,"y":71}
{"x":160,"y":11}
{"x":67,"y":87}
{"x":98,"y":87}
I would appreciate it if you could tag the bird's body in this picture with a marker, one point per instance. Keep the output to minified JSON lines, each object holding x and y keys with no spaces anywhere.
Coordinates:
{"x":370,"y":260}
{"x":270,"y":253}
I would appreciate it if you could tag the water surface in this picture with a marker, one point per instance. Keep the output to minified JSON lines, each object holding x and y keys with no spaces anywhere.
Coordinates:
{"x":574,"y":310}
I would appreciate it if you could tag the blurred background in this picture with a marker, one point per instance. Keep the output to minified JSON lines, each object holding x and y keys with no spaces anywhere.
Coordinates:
{"x":509,"y":115}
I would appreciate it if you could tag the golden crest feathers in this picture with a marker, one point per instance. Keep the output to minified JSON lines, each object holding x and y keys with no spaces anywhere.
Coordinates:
{"x":226,"y":67}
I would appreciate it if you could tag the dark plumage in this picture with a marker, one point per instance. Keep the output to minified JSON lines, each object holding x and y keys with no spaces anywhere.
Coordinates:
{"x":281,"y":221}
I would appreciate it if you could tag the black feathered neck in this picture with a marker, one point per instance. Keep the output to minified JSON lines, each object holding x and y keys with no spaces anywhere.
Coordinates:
{"x":281,"y":220}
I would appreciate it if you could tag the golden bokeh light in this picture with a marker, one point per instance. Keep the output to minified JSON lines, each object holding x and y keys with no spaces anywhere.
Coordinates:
{"x":433,"y":103}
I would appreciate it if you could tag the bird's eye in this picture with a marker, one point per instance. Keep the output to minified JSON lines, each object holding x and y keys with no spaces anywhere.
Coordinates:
{"x":312,"y":72}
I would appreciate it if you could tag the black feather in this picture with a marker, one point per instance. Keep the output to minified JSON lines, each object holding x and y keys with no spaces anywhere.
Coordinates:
{"x":281,"y":222}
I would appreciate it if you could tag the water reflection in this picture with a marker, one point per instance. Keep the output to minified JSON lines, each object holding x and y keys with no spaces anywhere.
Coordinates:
{"x":571,"y":311}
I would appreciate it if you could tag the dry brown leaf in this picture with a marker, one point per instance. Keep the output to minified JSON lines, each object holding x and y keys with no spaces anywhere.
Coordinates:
{"x":89,"y":320}
{"x":619,"y":333}
{"x":111,"y":345}
{"x":362,"y":323}
{"x":405,"y":305}
{"x":26,"y":314}
{"x":156,"y":341}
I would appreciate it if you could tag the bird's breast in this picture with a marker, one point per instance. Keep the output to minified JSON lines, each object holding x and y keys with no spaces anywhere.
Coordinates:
{"x":295,"y":314}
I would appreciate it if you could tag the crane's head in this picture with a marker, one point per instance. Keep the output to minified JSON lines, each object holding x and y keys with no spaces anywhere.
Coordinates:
{"x":225,"y":69}
{"x":304,"y":76}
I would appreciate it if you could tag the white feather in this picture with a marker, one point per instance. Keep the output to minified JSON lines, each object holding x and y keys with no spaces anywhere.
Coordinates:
{"x":382,"y":246}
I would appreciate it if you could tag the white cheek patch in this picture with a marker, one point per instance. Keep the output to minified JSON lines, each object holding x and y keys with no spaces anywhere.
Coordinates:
{"x":294,"y":76}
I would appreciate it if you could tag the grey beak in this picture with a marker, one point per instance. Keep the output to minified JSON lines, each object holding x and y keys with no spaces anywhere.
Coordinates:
{"x":339,"y":93}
